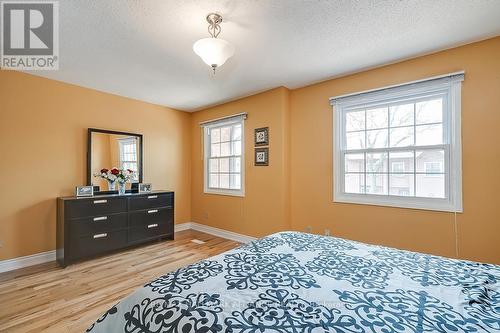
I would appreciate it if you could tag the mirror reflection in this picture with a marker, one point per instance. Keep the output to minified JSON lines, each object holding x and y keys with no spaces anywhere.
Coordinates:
{"x":114,"y":151}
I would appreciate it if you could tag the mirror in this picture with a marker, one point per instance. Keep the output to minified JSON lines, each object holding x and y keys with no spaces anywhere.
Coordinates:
{"x":111,"y":149}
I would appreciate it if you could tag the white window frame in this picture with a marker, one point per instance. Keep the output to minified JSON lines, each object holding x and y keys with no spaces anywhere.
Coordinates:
{"x":126,"y":141}
{"x":207,"y":126}
{"x":450,"y":87}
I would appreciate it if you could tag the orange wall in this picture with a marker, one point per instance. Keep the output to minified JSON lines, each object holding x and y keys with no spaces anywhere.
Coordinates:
{"x":308,"y":160}
{"x":265,"y":207}
{"x":43,"y":132}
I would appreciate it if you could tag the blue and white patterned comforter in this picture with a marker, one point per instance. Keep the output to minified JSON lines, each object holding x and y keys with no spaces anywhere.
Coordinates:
{"x":297,"y":282}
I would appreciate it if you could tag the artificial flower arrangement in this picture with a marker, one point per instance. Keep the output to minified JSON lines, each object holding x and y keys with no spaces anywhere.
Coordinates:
{"x":116,"y":175}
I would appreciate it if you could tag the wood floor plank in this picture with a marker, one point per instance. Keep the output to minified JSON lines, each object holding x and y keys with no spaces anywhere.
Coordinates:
{"x":47,"y":298}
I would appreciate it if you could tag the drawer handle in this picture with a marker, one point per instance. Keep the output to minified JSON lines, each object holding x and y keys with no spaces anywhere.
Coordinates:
{"x":100,"y":201}
{"x":152,"y":197}
{"x":100,"y":218}
{"x":152,"y":211}
{"x":100,"y":235}
{"x":152,"y":225}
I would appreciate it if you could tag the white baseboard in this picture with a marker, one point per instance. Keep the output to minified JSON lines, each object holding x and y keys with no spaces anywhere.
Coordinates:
{"x":214,"y":231}
{"x":40,"y":258}
{"x":182,"y":226}
{"x":21,"y":262}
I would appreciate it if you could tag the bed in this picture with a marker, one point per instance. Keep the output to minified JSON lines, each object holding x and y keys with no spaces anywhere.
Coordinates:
{"x":298,"y":282}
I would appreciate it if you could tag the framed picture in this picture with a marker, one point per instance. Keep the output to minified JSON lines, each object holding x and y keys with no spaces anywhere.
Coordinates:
{"x":145,"y":187}
{"x":84,"y":191}
{"x":261,"y":156}
{"x":262,"y":136}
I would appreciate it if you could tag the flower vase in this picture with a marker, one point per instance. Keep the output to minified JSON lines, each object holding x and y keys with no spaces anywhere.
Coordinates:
{"x":121,"y":188}
{"x":111,"y":185}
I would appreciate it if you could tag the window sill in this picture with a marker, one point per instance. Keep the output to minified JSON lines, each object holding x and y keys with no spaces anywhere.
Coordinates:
{"x":433,"y":204}
{"x":225,"y":193}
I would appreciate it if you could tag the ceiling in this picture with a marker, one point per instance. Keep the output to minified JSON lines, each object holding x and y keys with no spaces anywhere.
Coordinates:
{"x":143,"y":49}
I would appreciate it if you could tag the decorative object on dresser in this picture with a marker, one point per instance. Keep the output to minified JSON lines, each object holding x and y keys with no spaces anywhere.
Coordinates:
{"x":113,"y":176}
{"x":145,"y":187}
{"x":261,"y":136}
{"x":91,"y":226}
{"x":84,"y":191}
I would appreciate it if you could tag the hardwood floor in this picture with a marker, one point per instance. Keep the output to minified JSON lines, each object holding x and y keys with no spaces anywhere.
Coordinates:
{"x":47,"y":298}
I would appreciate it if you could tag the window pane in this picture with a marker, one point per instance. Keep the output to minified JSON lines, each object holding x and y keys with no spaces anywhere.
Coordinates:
{"x":215,"y":135}
{"x":376,"y":162}
{"x":427,"y":159}
{"x":376,"y":183}
{"x":430,"y":186}
{"x":355,"y":140}
{"x":213,"y":165}
{"x":377,"y":138}
{"x":355,"y":121}
{"x":402,"y":136}
{"x":224,"y":164}
{"x":401,"y":185}
{"x":430,"y":111}
{"x":401,"y":115}
{"x":429,"y":134}
{"x":237,"y":132}
{"x":354,"y":183}
{"x":235,"y":181}
{"x":236,"y":148}
{"x":401,"y":161}
{"x":225,"y":134}
{"x":213,"y":180}
{"x":215,"y":150}
{"x":376,"y":118}
{"x":235,"y":164}
{"x":225,"y":149}
{"x":224,"y":180}
{"x":354,"y":163}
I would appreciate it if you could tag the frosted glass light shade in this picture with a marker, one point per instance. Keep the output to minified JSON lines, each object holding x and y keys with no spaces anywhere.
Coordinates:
{"x":213,"y":51}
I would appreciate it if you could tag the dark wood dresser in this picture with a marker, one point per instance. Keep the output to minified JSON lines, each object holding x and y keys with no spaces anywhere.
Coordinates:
{"x":90,"y":226}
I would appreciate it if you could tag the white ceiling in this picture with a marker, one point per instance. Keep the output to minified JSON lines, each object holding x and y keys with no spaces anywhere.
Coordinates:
{"x":143,"y":49}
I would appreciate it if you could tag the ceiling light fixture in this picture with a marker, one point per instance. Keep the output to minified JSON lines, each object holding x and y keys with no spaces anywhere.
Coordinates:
{"x":212,"y":50}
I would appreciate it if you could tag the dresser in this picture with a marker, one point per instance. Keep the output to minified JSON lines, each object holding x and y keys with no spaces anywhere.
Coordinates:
{"x":91,"y":226}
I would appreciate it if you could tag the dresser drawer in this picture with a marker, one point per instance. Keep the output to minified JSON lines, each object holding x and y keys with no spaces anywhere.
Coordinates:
{"x":152,"y":201}
{"x":96,"y":207}
{"x":152,"y":230}
{"x":148,"y":216}
{"x":98,"y":243}
{"x":98,"y":224}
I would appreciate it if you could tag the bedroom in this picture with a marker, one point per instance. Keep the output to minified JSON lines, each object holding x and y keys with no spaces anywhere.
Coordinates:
{"x":361,"y":128}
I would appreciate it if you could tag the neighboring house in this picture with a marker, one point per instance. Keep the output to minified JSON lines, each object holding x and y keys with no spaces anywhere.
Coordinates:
{"x":399,"y":178}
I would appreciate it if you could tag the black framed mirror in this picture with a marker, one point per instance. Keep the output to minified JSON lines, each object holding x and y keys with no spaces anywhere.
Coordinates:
{"x":108,"y":149}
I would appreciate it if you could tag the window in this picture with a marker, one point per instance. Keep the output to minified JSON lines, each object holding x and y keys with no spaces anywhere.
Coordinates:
{"x":400,"y":146}
{"x":433,"y":167}
{"x":398,"y":167}
{"x":224,"y":156}
{"x":128,"y":156}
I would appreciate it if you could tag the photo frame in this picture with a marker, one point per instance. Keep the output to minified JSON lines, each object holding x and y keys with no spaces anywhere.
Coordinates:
{"x":261,"y":136}
{"x":145,"y":187}
{"x":84,"y":191}
{"x":261,"y":156}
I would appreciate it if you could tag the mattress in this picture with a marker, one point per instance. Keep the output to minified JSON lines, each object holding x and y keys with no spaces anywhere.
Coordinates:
{"x":299,"y":282}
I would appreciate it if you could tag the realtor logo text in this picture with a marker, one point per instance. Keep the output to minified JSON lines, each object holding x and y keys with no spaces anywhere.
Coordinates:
{"x":30,"y":35}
